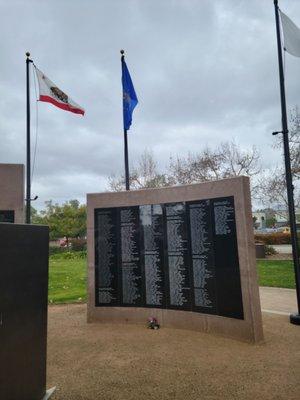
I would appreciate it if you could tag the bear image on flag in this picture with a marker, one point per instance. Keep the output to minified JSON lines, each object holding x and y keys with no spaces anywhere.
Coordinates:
{"x":59,"y":94}
{"x":50,"y":93}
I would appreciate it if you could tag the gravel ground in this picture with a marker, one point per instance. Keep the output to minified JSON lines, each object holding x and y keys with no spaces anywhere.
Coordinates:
{"x":110,"y":362}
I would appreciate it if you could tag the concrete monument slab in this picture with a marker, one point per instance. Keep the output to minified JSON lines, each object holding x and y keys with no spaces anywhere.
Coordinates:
{"x":12,"y":193}
{"x":183,"y":254}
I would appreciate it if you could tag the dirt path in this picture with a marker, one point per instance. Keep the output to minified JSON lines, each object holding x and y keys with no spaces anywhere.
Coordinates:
{"x":118,"y":362}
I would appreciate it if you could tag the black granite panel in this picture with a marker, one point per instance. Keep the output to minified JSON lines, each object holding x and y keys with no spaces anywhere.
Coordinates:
{"x":179,"y":295}
{"x":106,"y":257}
{"x":130,"y":260}
{"x":23,"y":308}
{"x":228,"y":281}
{"x":180,"y":256}
{"x":152,"y":245}
{"x":7,"y":216}
{"x":202,"y":257}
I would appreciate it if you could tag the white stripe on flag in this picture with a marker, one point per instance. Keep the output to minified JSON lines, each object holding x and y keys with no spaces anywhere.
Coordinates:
{"x":291,"y":34}
{"x":50,"y":93}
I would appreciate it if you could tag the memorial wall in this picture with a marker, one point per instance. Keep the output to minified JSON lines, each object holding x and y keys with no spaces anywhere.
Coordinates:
{"x":174,"y":253}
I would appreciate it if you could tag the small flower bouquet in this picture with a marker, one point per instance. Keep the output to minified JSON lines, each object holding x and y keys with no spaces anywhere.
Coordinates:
{"x":152,"y":323}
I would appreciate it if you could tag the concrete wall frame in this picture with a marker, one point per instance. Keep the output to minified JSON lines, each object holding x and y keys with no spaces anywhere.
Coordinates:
{"x":247,"y":329}
{"x":12,"y":192}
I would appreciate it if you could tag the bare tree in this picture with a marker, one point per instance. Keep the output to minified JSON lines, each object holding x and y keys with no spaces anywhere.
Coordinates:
{"x":227,"y":160}
{"x":272,"y":185}
{"x":294,"y":140}
{"x":197,"y":167}
{"x":145,"y":175}
{"x":236,"y":162}
{"x":272,"y":191}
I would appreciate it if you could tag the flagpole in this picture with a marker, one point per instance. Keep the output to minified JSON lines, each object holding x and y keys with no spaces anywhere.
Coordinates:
{"x":125,"y":141}
{"x":294,"y":318}
{"x":28,"y":161}
{"x":126,"y":160}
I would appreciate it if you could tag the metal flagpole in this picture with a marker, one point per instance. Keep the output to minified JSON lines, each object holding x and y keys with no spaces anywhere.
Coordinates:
{"x":126,"y":160}
{"x":28,"y":167}
{"x":125,"y":141}
{"x":294,"y":318}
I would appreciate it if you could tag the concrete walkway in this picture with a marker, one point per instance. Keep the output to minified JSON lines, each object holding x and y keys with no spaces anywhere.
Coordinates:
{"x":277,"y":300}
{"x":283,"y":248}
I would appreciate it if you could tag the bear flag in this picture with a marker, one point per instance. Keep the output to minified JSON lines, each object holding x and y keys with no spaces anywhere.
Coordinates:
{"x":50,"y":93}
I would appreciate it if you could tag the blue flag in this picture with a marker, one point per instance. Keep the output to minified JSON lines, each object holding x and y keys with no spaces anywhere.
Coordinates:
{"x":129,"y":97}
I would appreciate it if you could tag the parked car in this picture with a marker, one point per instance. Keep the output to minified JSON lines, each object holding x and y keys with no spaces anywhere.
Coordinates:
{"x":284,"y":229}
{"x":265,"y":231}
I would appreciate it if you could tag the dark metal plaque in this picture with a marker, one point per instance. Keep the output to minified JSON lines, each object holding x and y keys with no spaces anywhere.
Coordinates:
{"x":7,"y":216}
{"x":228,"y":280}
{"x":106,"y":257}
{"x":202,"y":257}
{"x":152,"y":253}
{"x":23,"y":308}
{"x":130,"y":260}
{"x":181,"y":256}
{"x":179,"y":295}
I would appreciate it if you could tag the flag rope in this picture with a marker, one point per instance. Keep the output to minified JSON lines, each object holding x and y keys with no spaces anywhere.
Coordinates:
{"x":284,"y":52}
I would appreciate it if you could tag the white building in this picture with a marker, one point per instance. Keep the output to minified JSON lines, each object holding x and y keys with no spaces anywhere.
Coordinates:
{"x":282,"y":217}
{"x":260,"y":220}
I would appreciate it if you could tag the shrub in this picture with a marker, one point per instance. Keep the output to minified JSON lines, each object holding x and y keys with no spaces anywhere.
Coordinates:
{"x":78,"y":244}
{"x":273,"y":238}
{"x":270,"y":251}
{"x":57,"y":250}
{"x":69,"y":255}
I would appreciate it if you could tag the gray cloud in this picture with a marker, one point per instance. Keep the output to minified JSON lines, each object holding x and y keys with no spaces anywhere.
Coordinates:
{"x":204,"y":71}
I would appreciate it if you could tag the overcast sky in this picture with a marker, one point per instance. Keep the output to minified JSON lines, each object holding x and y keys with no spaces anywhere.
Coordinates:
{"x":204,"y":71}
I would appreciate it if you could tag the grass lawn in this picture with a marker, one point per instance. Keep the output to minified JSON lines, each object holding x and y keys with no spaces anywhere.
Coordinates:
{"x":67,"y":278}
{"x":276,"y":273}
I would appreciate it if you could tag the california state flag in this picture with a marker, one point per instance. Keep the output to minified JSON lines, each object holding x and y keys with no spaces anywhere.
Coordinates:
{"x":50,"y":93}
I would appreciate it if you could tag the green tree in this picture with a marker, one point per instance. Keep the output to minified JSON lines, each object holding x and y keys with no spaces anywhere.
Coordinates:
{"x":254,"y":220}
{"x":66,"y":220}
{"x":270,"y":222}
{"x":34,"y":215}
